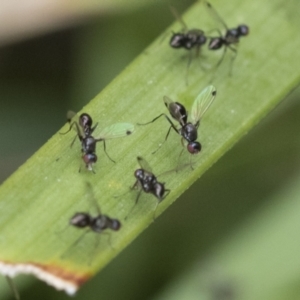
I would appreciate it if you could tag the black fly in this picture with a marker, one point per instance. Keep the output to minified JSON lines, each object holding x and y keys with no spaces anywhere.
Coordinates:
{"x":146,"y":181}
{"x":98,"y":223}
{"x":229,"y":40}
{"x":188,"y":38}
{"x":84,"y":129}
{"x":188,"y":130}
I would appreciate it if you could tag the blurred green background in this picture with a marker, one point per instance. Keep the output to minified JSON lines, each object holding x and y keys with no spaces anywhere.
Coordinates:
{"x":42,"y":77}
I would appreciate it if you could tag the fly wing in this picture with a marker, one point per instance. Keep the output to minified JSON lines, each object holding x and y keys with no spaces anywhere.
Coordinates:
{"x":176,"y":110}
{"x":202,"y":103}
{"x":72,"y":116}
{"x":116,"y":131}
{"x":73,"y":120}
{"x":178,"y":18}
{"x":144,"y":164}
{"x":215,"y":15}
{"x":91,"y":198}
{"x":168,"y":102}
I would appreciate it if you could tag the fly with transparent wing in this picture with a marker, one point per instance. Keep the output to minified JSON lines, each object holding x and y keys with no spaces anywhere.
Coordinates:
{"x":147,"y":182}
{"x":188,"y":130}
{"x":85,"y":133}
{"x":188,"y":39}
{"x":97,"y":223}
{"x":228,"y":40}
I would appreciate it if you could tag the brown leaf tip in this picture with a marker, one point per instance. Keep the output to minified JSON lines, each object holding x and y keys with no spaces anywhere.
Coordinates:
{"x":57,"y":277}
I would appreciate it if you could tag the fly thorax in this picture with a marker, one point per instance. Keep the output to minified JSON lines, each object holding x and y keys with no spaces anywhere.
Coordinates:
{"x":143,"y":178}
{"x":149,"y":177}
{"x":201,"y":39}
{"x":232,"y":36}
{"x":99,"y":223}
{"x":196,"y":37}
{"x":147,"y":186}
{"x":189,"y":132}
{"x":148,"y":182}
{"x":192,"y":37}
{"x":88,"y":145}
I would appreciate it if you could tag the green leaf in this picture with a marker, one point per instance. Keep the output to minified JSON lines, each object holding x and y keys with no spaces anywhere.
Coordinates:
{"x":39,"y":199}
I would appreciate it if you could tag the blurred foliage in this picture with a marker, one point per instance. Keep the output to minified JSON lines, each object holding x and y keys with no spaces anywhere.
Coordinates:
{"x":41,"y":78}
